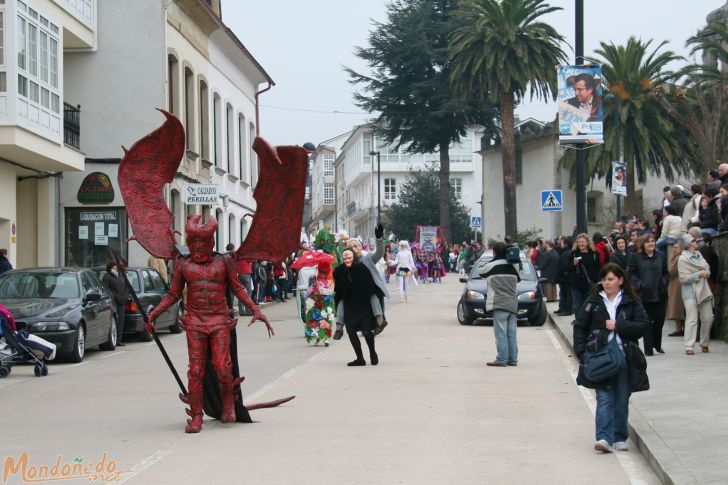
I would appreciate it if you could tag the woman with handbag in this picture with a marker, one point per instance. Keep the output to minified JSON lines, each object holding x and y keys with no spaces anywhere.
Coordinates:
{"x":612,"y":315}
{"x":648,"y":271}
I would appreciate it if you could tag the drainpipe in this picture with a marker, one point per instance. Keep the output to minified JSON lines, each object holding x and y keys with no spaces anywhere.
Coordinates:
{"x":257,"y":109}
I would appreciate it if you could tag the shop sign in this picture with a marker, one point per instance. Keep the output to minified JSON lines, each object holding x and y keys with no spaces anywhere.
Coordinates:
{"x":201,"y":194}
{"x":96,"y":188}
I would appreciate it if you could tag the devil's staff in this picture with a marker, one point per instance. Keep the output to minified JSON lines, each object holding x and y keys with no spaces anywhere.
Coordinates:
{"x":116,"y":257}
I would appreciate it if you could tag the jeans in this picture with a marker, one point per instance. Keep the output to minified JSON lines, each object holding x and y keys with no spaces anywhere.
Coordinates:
{"x":709,"y":231}
{"x":663,"y":243}
{"x":577,"y":299}
{"x":247,"y":281}
{"x":613,"y":409}
{"x":505,"y":325}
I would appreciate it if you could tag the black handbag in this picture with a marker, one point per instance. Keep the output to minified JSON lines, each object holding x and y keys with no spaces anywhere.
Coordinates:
{"x":638,"y":379}
{"x":605,"y":362}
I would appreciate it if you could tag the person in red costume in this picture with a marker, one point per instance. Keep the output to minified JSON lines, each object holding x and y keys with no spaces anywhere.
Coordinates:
{"x":207,"y":321}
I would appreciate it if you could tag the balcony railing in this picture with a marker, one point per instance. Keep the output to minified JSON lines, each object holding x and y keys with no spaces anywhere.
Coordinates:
{"x":351,"y":208}
{"x":72,"y":125}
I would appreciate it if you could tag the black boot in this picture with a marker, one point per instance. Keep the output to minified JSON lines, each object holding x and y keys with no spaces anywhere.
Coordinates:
{"x":369,"y":337}
{"x":354,"y":339}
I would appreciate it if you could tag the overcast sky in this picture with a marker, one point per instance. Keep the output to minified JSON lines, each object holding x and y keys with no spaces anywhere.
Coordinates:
{"x":304,"y":44}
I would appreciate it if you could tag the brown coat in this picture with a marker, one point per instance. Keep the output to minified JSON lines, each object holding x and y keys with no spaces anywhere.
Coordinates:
{"x":675,"y":306}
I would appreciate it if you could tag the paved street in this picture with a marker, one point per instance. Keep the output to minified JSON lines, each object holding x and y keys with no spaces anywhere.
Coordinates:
{"x":430,"y":413}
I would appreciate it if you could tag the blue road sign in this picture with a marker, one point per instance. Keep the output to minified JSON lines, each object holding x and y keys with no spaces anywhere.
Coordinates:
{"x":475,"y":222}
{"x":552,"y":201}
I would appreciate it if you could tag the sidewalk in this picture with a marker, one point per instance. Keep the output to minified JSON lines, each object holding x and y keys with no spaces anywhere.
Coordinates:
{"x":681,"y":424}
{"x":430,"y":413}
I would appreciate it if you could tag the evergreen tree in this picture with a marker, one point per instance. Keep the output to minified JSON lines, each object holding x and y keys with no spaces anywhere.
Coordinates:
{"x":410,"y":89}
{"x":419,"y":206}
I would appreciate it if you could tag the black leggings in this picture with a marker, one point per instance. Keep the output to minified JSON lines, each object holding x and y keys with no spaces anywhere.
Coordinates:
{"x":354,"y":339}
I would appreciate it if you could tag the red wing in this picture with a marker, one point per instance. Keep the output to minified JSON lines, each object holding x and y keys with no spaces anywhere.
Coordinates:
{"x":279,"y":195}
{"x":147,"y":166}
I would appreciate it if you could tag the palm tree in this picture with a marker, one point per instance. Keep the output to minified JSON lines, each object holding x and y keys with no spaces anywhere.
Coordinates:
{"x":501,"y":51}
{"x":700,"y":102}
{"x":652,"y":142}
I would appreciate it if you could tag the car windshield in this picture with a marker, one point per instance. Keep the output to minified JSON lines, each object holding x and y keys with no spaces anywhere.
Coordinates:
{"x":526,"y":270}
{"x":36,"y":284}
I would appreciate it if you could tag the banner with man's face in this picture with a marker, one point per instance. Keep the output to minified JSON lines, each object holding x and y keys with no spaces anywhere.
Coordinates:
{"x":580,"y":104}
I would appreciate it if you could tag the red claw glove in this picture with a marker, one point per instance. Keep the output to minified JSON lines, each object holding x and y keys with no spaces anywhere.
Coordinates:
{"x":258,"y":315}
{"x":149,"y":325}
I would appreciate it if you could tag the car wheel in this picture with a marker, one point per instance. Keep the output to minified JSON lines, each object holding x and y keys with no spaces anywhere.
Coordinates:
{"x":463,"y":318}
{"x":540,"y":317}
{"x":4,"y":372}
{"x":79,"y":347}
{"x":110,"y":343}
{"x":175,"y":328}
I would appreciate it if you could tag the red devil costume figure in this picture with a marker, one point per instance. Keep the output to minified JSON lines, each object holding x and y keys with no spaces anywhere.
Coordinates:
{"x":207,"y":318}
{"x":211,"y":339}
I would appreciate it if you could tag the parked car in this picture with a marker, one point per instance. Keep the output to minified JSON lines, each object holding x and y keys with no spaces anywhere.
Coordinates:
{"x":150,"y":289}
{"x":530,"y":295}
{"x":66,"y":306}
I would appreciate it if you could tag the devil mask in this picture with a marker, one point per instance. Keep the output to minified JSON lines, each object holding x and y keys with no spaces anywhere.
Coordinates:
{"x":201,"y":238}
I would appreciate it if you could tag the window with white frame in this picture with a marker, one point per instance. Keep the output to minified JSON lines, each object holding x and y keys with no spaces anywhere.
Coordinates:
{"x":328,"y":164}
{"x":390,"y":189}
{"x":456,"y":188}
{"x":328,"y":193}
{"x":37,"y":56}
{"x":241,"y":148}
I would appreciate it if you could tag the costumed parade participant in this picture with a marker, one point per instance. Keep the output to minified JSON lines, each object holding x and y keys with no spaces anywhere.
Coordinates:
{"x":214,"y":380}
{"x":318,"y":316}
{"x":207,"y":318}
{"x":354,"y":288}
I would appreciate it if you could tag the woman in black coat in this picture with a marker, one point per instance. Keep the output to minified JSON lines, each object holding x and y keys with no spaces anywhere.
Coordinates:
{"x":116,"y":287}
{"x":564,"y":279}
{"x":354,"y":285}
{"x":621,"y":254}
{"x":611,"y":311}
{"x":585,"y":264}
{"x":648,"y":272}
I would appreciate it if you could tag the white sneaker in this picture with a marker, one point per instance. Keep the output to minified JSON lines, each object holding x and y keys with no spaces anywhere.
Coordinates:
{"x":621,"y":446}
{"x":603,"y":446}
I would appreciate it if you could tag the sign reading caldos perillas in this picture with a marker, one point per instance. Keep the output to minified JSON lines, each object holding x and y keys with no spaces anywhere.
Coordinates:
{"x":201,"y":194}
{"x":96,"y":188}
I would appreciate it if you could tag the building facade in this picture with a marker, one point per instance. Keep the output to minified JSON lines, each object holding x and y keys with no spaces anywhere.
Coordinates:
{"x":192,"y":65}
{"x":38,"y":120}
{"x":365,"y":182}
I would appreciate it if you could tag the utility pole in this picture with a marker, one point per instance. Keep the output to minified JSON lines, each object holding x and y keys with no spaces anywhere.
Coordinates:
{"x":581,"y":226}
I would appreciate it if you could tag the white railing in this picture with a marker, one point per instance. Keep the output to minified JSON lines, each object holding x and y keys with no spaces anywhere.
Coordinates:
{"x":83,"y":10}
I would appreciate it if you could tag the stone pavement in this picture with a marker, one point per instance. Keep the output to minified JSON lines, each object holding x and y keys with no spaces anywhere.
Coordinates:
{"x":430,"y":413}
{"x":681,"y":424}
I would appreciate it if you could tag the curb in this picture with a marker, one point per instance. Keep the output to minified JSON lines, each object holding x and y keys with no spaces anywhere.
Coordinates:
{"x":666,"y":465}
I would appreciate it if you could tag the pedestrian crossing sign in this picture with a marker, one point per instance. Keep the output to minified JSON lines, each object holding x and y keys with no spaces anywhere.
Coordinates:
{"x":551,"y":201}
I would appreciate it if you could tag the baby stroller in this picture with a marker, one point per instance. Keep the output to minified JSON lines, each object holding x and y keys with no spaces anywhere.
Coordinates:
{"x":18,"y":347}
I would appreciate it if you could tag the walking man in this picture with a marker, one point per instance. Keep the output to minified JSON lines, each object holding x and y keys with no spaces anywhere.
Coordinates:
{"x":502,"y":300}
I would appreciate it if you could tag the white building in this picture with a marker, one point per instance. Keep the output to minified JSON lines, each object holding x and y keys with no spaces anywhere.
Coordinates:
{"x":359,"y":192}
{"x":537,"y":169}
{"x":38,"y":125}
{"x":180,"y":56}
{"x":323,"y":184}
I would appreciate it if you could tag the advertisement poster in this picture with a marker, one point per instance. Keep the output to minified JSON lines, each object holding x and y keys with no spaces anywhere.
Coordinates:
{"x":580,"y":104}
{"x":428,"y":238}
{"x":619,"y":178}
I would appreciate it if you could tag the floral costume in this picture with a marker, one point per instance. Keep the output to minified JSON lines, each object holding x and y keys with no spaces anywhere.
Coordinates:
{"x":320,"y":314}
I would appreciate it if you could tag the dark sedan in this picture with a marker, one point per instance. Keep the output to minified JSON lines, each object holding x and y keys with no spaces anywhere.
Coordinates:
{"x":150,"y":288}
{"x":66,"y":306}
{"x":530,"y":297}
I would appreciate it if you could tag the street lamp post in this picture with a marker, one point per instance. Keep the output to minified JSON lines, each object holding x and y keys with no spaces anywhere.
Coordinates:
{"x":581,"y":223}
{"x":618,"y":148}
{"x":379,"y":185}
